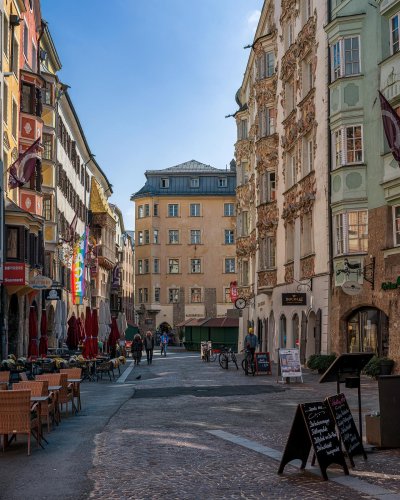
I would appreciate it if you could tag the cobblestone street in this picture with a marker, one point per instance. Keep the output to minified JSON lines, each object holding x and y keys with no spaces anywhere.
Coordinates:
{"x":159,"y":444}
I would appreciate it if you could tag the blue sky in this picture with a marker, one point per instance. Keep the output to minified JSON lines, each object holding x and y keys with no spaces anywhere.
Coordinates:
{"x":152,"y":80}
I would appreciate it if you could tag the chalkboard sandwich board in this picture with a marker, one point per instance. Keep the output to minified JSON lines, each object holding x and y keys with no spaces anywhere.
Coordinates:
{"x":263,"y":362}
{"x":346,"y":426}
{"x":313,"y":426}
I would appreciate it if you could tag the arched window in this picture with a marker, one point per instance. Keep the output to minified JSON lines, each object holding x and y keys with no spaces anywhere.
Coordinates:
{"x":367,"y":331}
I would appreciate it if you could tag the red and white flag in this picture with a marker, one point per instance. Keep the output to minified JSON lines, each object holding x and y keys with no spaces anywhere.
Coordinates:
{"x":22,"y":169}
{"x":391,"y":125}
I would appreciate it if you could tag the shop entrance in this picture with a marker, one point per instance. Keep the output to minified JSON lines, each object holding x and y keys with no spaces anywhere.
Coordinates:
{"x":13,"y":324}
{"x":367,"y":331}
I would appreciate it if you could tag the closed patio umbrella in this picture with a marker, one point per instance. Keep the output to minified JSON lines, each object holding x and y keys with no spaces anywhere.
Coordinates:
{"x":72,"y":334}
{"x":63,"y":321}
{"x":95,"y":332}
{"x":57,"y":329}
{"x":43,"y":343}
{"x":103,"y":331}
{"x":113,"y":337}
{"x":122,"y":324}
{"x":33,"y":333}
{"x":87,"y":351}
{"x":81,"y":330}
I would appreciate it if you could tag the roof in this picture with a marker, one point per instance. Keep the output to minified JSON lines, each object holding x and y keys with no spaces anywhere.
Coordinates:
{"x":192,"y":166}
{"x":225,"y":322}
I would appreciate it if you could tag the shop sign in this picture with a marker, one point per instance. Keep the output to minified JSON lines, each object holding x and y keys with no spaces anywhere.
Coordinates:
{"x":388,"y":285}
{"x":233,"y":291}
{"x":78,"y":270}
{"x":116,"y":278}
{"x":14,"y":273}
{"x":52,"y":294}
{"x":294,"y":299}
{"x":348,"y":269}
{"x":351,"y":287}
{"x":40,"y":282}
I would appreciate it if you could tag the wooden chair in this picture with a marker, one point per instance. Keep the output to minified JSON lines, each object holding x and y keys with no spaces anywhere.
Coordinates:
{"x":105,"y":367}
{"x":17,"y":416}
{"x":41,"y":388}
{"x":65,"y":394}
{"x":77,"y":374}
{"x":5,"y":377}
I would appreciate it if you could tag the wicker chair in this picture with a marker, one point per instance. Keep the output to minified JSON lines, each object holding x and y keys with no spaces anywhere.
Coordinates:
{"x":23,"y":377}
{"x":5,"y":376}
{"x":65,"y":394}
{"x":3,"y":386}
{"x":41,"y":388}
{"x":105,"y":367}
{"x":76,"y":386}
{"x":17,"y":416}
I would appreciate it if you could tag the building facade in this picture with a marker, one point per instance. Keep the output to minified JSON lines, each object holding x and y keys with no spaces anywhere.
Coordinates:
{"x":185,"y":244}
{"x":282,"y":179}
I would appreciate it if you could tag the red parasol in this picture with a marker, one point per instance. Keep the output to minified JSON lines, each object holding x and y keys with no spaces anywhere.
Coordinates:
{"x":87,"y":346}
{"x":114,"y":335}
{"x":43,"y":343}
{"x":33,"y":340}
{"x":81,"y":330}
{"x":72,"y":333}
{"x":95,"y":332}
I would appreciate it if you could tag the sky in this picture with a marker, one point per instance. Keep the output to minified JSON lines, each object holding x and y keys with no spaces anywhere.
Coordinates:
{"x":152,"y":81}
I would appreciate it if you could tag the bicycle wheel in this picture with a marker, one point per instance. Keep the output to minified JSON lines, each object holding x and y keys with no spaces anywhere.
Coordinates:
{"x":223,"y":361}
{"x":252,"y":367}
{"x":244,"y":366}
{"x":213,"y":356}
{"x":233,"y":358}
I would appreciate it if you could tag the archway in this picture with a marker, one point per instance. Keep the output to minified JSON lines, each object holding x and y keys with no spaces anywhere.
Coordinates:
{"x":295,"y":340}
{"x":311,"y":334}
{"x":13,"y":325}
{"x":282,"y":332}
{"x":367,"y":331}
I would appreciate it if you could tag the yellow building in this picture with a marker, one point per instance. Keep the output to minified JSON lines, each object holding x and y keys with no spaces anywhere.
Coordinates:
{"x":185,"y":244}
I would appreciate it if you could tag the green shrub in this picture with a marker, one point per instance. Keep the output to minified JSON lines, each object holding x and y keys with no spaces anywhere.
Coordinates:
{"x":320,"y":362}
{"x":312,"y":362}
{"x":373,"y":367}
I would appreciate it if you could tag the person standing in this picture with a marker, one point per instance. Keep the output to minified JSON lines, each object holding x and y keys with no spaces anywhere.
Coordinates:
{"x":164,"y":343}
{"x":251,"y":341}
{"x":149,"y":346}
{"x":137,"y":348}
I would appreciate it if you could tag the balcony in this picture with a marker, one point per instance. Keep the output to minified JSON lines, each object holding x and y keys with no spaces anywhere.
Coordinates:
{"x":31,"y":201}
{"x":349,"y":183}
{"x":106,"y":256}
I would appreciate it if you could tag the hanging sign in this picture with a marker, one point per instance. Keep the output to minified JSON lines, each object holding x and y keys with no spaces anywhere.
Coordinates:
{"x":294,"y":299}
{"x":233,"y":291}
{"x":351,"y":287}
{"x":78,"y":270}
{"x":52,"y":294}
{"x":14,"y":273}
{"x":41,"y":282}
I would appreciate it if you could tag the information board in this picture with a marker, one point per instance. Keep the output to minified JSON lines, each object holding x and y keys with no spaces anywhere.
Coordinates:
{"x":263,"y":362}
{"x":346,"y":426}
{"x":313,"y":426}
{"x":289,"y":362}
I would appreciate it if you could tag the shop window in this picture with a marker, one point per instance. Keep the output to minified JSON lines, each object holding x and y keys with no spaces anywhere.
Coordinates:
{"x":367,"y":331}
{"x":195,"y":295}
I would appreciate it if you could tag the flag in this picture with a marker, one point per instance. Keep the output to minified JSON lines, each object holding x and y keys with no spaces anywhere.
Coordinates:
{"x":22,"y":169}
{"x":391,"y":125}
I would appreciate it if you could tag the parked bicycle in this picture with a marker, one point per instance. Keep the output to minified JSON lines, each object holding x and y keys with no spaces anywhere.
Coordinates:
{"x":207,"y":352}
{"x":248,"y":363}
{"x":225,"y":356}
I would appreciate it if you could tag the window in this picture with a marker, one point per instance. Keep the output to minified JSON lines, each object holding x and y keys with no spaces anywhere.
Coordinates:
{"x":267,"y":258}
{"x":289,"y":33}
{"x":347,"y":145}
{"x":351,"y":232}
{"x":156,"y":266}
{"x":227,"y":295}
{"x":147,"y":237}
{"x":243,"y":223}
{"x":47,"y":143}
{"x":173,"y":236}
{"x":266,"y":122}
{"x":140,"y":212}
{"x":26,"y":41}
{"x":195,"y":265}
{"x":12,"y":243}
{"x":195,"y":182}
{"x":346,"y":57}
{"x":242,"y":130}
{"x":244,"y":272}
{"x":222,"y":182}
{"x":6,"y":36}
{"x":14,"y":119}
{"x":140,"y":295}
{"x":173,"y":210}
{"x":145,"y":294}
{"x":394,"y":33}
{"x":34,"y":58}
{"x":307,"y":243}
{"x":15,"y":53}
{"x":306,"y":10}
{"x":289,"y":97}
{"x":308,"y":154}
{"x":195,"y":295}
{"x":291,"y":174}
{"x":289,"y":241}
{"x":5,"y":103}
{"x":147,"y":210}
{"x":140,"y":266}
{"x":173,"y":295}
{"x":173,"y":266}
{"x":155,"y":236}
{"x":146,"y":266}
{"x":265,"y":65}
{"x":229,"y":209}
{"x":229,"y":237}
{"x":164,"y":182}
{"x":155,"y":209}
{"x":195,"y":210}
{"x":157,"y":293}
{"x":47,"y":94}
{"x":140,"y":237}
{"x":267,"y":187}
{"x":307,"y":76}
{"x":230,"y":265}
{"x":47,"y":207}
{"x":195,"y":236}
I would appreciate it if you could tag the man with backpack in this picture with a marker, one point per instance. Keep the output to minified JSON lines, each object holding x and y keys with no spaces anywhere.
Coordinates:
{"x":164,"y":343}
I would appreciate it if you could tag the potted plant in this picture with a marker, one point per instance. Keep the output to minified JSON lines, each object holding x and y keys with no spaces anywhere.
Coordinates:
{"x":386,"y":366}
{"x":320,"y":362}
{"x":378,"y":366}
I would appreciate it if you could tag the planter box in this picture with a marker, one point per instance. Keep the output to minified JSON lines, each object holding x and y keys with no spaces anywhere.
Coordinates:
{"x":373,"y":430}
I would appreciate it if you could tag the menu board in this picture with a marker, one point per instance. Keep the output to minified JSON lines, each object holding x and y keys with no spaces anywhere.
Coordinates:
{"x":313,"y":426}
{"x":289,"y":362}
{"x":346,"y":426}
{"x":263,"y":363}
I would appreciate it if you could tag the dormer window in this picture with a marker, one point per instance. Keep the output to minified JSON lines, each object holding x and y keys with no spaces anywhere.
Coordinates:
{"x":164,"y":182}
{"x":194,"y":182}
{"x":222,"y":182}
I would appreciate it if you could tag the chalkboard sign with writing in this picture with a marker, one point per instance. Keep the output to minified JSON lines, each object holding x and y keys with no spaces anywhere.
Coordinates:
{"x":314,"y":426}
{"x":346,"y":426}
{"x":263,"y":363}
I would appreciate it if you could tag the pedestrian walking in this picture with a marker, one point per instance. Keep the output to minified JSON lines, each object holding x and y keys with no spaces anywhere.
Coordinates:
{"x":137,"y":348}
{"x":164,"y":343}
{"x":149,"y":346}
{"x":251,"y":341}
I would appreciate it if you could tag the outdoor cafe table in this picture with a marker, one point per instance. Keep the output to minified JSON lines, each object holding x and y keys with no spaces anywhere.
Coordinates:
{"x":56,"y":388}
{"x":40,"y":400}
{"x":77,"y":382}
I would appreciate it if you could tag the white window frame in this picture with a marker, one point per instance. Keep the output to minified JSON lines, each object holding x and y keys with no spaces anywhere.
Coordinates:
{"x":146,"y":210}
{"x":342,"y":235}
{"x":229,"y":237}
{"x":140,"y":266}
{"x":173,"y":236}
{"x":146,"y":266}
{"x":195,"y":266}
{"x":195,"y":291}
{"x":173,"y":210}
{"x":229,"y":209}
{"x":338,"y":58}
{"x":157,"y":294}
{"x":173,"y":264}
{"x":223,"y":182}
{"x":195,"y":237}
{"x":392,"y":48}
{"x":308,"y":155}
{"x":195,"y":182}
{"x":173,"y":295}
{"x":140,"y":238}
{"x":164,"y":182}
{"x":156,"y":240}
{"x":230,"y":265}
{"x":339,"y":146}
{"x":242,"y":129}
{"x":195,"y":210}
{"x":156,"y":265}
{"x":291,"y":169}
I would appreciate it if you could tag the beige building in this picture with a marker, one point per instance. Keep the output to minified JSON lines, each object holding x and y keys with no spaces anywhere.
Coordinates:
{"x":282,"y":172}
{"x":185,"y":251}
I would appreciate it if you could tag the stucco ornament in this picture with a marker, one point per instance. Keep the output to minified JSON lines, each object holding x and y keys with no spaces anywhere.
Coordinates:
{"x":289,"y":63}
{"x":266,"y":147}
{"x":265,"y":91}
{"x":246,"y":292}
{"x":242,"y":150}
{"x":288,"y":9}
{"x":306,"y":38}
{"x":307,"y":114}
{"x":267,"y":219}
{"x":247,"y":246}
{"x":306,"y":194}
{"x":290,"y":204}
{"x":267,"y":279}
{"x":289,"y":272}
{"x":307,"y":267}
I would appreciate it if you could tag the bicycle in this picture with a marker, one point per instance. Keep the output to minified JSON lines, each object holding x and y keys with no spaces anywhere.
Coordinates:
{"x":226,"y":356}
{"x":248,"y":363}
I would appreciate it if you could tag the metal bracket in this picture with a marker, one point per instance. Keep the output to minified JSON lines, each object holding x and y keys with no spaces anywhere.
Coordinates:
{"x":307,"y":284}
{"x":369,"y":273}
